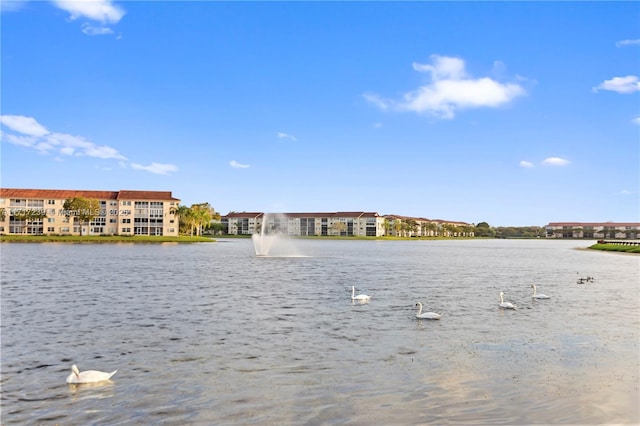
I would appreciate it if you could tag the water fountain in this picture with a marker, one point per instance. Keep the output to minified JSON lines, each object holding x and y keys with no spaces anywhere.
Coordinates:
{"x":271,"y":241}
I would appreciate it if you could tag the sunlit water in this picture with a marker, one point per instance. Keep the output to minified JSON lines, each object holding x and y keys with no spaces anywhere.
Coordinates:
{"x":212,"y":334}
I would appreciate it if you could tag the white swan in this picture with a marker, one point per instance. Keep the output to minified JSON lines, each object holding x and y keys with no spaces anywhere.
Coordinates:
{"x":505,"y":305}
{"x":426,"y":315}
{"x":361,"y":297}
{"x":89,"y":376}
{"x":538,"y":296}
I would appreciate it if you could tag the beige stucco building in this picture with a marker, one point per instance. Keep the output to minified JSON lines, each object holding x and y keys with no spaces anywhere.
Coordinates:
{"x":362,"y":224}
{"x":41,"y":211}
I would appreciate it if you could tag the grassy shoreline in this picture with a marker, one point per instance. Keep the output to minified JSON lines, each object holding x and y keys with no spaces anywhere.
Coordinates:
{"x":100,"y":239}
{"x":620,"y":248}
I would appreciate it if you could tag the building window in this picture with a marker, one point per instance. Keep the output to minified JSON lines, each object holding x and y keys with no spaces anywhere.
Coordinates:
{"x":50,"y":229}
{"x":51,"y":202}
{"x":126,"y":220}
{"x":64,"y":229}
{"x":126,"y":203}
{"x":51,"y":219}
{"x":126,"y":230}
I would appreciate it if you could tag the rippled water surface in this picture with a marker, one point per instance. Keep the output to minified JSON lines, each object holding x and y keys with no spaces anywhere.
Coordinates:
{"x":212,"y":334}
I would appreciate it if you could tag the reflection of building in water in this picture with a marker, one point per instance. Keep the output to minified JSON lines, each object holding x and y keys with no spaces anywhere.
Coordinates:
{"x":591,"y":230}
{"x":363,"y":224}
{"x":41,"y":211}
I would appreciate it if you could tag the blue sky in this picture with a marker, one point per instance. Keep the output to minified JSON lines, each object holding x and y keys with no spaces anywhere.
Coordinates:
{"x":511,"y":113}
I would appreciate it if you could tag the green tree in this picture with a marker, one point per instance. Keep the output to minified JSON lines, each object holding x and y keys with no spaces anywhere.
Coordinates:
{"x":483,"y":229}
{"x":83,"y":210}
{"x":202,"y":215}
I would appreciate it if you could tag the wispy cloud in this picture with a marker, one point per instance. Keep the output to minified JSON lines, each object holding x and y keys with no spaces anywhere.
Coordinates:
{"x":555,"y":161}
{"x":526,"y":164}
{"x":156,"y":168}
{"x":91,"y":30}
{"x":636,"y":120}
{"x":28,"y":133}
{"x":104,"y":12}
{"x":624,"y":85}
{"x":236,"y":165}
{"x":625,"y":192}
{"x":282,"y":135}
{"x":450,"y":89}
{"x":623,"y":43}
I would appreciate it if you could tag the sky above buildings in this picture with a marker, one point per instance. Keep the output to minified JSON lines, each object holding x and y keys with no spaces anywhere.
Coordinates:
{"x":511,"y":113}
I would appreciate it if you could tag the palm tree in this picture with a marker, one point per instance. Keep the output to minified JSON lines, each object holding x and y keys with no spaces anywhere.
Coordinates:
{"x":180,"y":213}
{"x":21,"y":216}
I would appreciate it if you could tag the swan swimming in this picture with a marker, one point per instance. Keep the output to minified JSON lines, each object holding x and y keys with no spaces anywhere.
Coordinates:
{"x":362,"y":297}
{"x":538,"y":296}
{"x":426,"y":315}
{"x":89,"y":376}
{"x":505,"y":305}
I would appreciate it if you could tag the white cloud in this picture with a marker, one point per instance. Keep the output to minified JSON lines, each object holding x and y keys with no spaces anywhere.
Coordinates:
{"x":628,"y":84}
{"x":104,"y":12}
{"x":376,"y":100}
{"x":96,"y":10}
{"x":89,"y":29}
{"x":282,"y":135}
{"x":625,"y":192}
{"x":555,"y":161}
{"x":27,"y":132}
{"x":377,"y":125}
{"x":236,"y":165}
{"x":25,"y":125}
{"x":526,"y":164}
{"x":636,"y":120}
{"x":450,"y":89}
{"x":622,"y":43}
{"x":156,"y":168}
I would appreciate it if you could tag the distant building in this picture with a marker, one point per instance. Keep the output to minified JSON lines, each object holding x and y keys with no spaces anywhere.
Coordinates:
{"x":364,"y":224}
{"x":41,"y":211}
{"x":593,"y":230}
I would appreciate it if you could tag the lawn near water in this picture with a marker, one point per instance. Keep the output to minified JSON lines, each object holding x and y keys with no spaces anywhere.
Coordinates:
{"x":101,"y":239}
{"x":616,"y":247}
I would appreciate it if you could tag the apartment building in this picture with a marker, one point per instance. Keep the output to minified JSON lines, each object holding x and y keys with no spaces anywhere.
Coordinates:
{"x":41,"y":212}
{"x":593,"y":230}
{"x":305,"y":224}
{"x":366,"y":224}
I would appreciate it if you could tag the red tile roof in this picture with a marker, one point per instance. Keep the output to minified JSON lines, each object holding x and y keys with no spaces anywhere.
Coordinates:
{"x":100,"y":195}
{"x":303,"y":215}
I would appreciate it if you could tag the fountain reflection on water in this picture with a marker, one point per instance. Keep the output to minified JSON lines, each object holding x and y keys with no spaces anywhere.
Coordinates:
{"x":271,"y":241}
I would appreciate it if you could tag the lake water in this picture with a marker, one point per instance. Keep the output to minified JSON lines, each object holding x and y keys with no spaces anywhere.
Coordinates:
{"x":212,"y":334}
